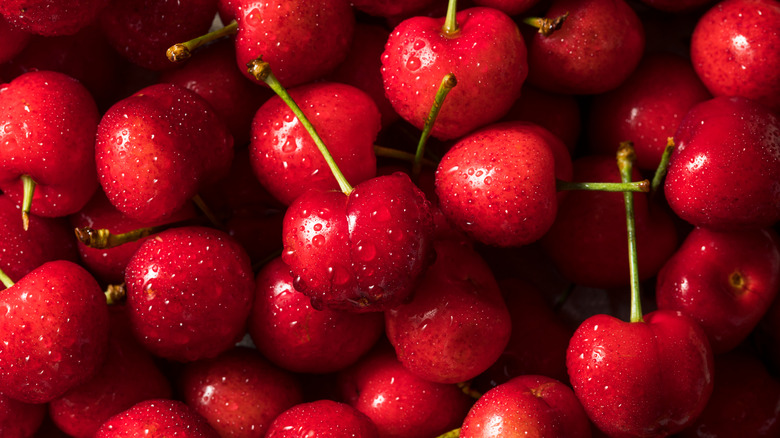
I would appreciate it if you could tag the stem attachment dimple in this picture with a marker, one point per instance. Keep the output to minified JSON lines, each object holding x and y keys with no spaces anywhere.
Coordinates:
{"x":115,"y":294}
{"x":181,"y":51}
{"x":448,"y":82}
{"x":261,"y":71}
{"x":5,"y":279}
{"x":450,"y":27}
{"x":546,"y":26}
{"x":29,"y":190}
{"x":625,"y":158}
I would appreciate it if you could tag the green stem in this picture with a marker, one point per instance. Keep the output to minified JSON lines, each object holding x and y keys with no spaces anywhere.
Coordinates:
{"x":115,"y":294}
{"x":382,"y":151}
{"x":626,"y":158}
{"x":181,"y":51}
{"x":546,"y":26}
{"x":29,"y":190}
{"x":455,"y":433}
{"x":448,"y":82}
{"x":102,"y":238}
{"x":465,"y":387}
{"x":635,"y":186}
{"x":6,"y":280}
{"x":450,"y":27}
{"x":261,"y":71}
{"x":663,"y":167}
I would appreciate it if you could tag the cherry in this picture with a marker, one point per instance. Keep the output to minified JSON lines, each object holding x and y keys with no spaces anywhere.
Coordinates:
{"x":726,"y":166}
{"x":302,"y":40}
{"x":286,"y":160}
{"x":509,"y":7}
{"x":595,"y":50}
{"x":557,"y":113}
{"x":724,"y":280}
{"x":457,"y":324}
{"x":157,"y":148}
{"x":736,"y":51}
{"x":398,"y":402}
{"x":55,"y":332}
{"x":47,"y":130}
{"x":142,"y":30}
{"x":322,"y":418}
{"x":392,"y":8}
{"x":49,"y":17}
{"x":498,"y":184}
{"x":528,"y":405}
{"x":189,"y":293}
{"x":646,"y":109}
{"x":128,"y":376}
{"x":481,"y":47}
{"x":18,"y":419}
{"x":292,"y":334}
{"x":14,"y":40}
{"x":49,"y":240}
{"x":157,"y":418}
{"x":676,"y":5}
{"x":239,"y":392}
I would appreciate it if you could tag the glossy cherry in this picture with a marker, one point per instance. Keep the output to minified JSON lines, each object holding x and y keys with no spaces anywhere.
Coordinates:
{"x":48,"y":17}
{"x":158,"y":418}
{"x":14,"y":40}
{"x":322,"y":418}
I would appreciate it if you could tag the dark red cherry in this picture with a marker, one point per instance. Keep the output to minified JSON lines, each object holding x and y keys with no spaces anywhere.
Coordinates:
{"x":157,"y":418}
{"x":322,"y":418}
{"x":18,"y":419}
{"x":14,"y":40}
{"x":51,"y":17}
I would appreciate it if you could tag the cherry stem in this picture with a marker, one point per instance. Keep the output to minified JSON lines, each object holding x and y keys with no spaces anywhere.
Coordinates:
{"x":448,"y":82}
{"x":181,"y":51}
{"x":454,"y":433}
{"x":382,"y":151}
{"x":625,"y":158}
{"x":6,"y":280}
{"x":465,"y":387}
{"x":546,"y":26}
{"x":663,"y":167}
{"x":29,"y":190}
{"x":261,"y":71}
{"x":203,"y":207}
{"x":102,"y":238}
{"x":115,"y":294}
{"x":450,"y":27}
{"x":630,"y":186}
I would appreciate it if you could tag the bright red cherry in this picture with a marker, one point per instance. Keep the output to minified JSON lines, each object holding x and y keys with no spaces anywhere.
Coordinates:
{"x":323,"y":419}
{"x":157,"y":418}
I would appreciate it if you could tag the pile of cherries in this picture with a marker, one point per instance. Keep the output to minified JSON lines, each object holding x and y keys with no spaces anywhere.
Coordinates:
{"x":389,"y":218}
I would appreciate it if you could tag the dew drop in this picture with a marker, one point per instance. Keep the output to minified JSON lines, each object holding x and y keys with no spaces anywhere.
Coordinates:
{"x":413,"y":63}
{"x":318,"y":240}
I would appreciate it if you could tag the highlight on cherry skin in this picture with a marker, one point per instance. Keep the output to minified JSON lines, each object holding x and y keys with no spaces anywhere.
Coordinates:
{"x":389,"y":218}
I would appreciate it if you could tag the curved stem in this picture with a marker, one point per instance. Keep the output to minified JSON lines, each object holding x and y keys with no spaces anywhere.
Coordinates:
{"x":450,"y":27}
{"x":454,"y":433}
{"x":181,"y":51}
{"x":546,"y":26}
{"x":448,"y":82}
{"x":115,"y":294}
{"x":382,"y":151}
{"x":29,"y":190}
{"x":663,"y":166}
{"x":261,"y":71}
{"x":6,"y":280}
{"x":103,"y":239}
{"x":631,"y":186}
{"x":625,"y":159}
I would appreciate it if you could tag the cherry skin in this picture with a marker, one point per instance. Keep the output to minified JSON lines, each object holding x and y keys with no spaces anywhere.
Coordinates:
{"x":189,"y":293}
{"x":509,"y":7}
{"x":457,"y":323}
{"x":323,"y":418}
{"x":295,"y":336}
{"x":529,"y":405}
{"x":128,"y":376}
{"x":157,"y":148}
{"x":239,"y":392}
{"x":646,"y":109}
{"x":596,"y":49}
{"x":557,"y":113}
{"x":301,"y":40}
{"x":724,"y":172}
{"x":398,"y":402}
{"x":157,"y":418}
{"x":362,"y":252}
{"x":498,"y":184}
{"x":642,"y":379}
{"x":392,"y":8}
{"x":726,"y":281}
{"x":735,"y":49}
{"x":48,"y":17}
{"x":285,"y":158}
{"x":14,"y":40}
{"x":18,"y":419}
{"x":47,"y":131}
{"x":56,"y":332}
{"x":487,"y":56}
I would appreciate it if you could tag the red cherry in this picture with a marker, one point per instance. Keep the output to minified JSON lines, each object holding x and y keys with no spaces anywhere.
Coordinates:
{"x":725,"y":170}
{"x":55,"y":332}
{"x":20,"y":420}
{"x":557,"y":113}
{"x":323,"y":419}
{"x":596,"y":49}
{"x":189,"y":293}
{"x":51,"y":17}
{"x":157,"y":418}
{"x":528,"y":405}
{"x":486,"y":54}
{"x":735,"y":49}
{"x":643,"y":379}
{"x":362,"y":252}
{"x":14,"y":40}
{"x":392,"y":8}
{"x":239,"y":392}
